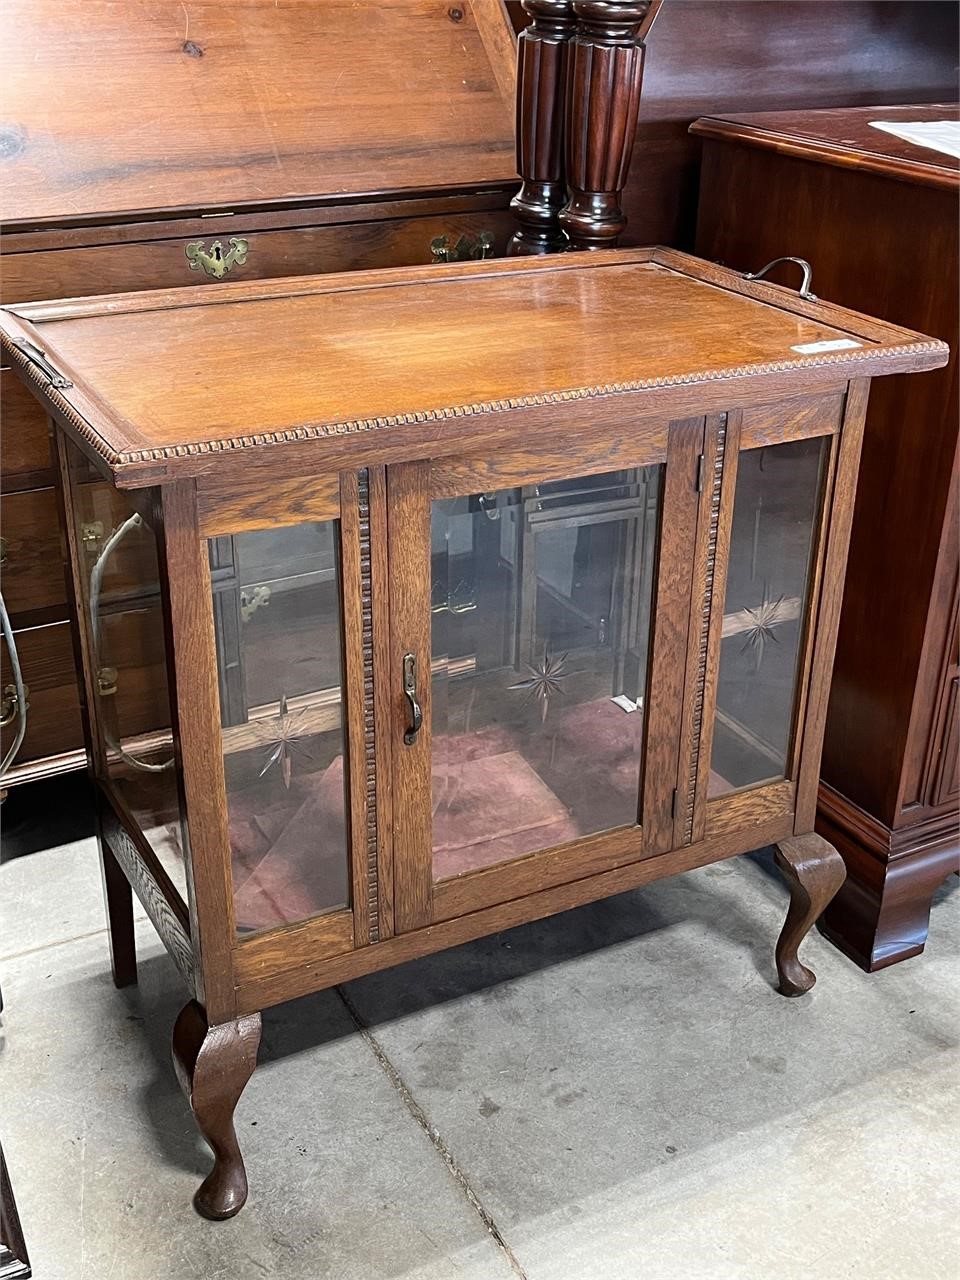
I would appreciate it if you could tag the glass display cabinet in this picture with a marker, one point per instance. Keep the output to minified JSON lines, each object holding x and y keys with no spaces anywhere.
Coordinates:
{"x":470,"y":595}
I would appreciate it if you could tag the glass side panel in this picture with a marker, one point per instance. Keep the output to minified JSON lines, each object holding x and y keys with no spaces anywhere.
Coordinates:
{"x":276,"y":600}
{"x":119,"y":590}
{"x":541,"y":600}
{"x":775,"y":511}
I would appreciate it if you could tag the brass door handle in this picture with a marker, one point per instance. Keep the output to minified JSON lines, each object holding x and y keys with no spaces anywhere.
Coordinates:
{"x":410,"y":693}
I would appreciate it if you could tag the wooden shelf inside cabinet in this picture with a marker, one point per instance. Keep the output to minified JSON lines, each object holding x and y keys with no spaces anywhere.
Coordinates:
{"x":438,"y":645}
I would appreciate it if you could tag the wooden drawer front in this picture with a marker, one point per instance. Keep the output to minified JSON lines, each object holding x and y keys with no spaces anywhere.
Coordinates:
{"x":116,"y":268}
{"x":25,"y":456}
{"x":33,"y":574}
{"x":53,"y":714}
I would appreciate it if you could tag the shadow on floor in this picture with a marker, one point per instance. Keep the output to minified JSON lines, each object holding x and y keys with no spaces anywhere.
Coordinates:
{"x":46,"y":814}
{"x":479,"y":967}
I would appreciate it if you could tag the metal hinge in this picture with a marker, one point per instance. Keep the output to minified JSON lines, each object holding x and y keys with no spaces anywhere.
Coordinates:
{"x":701,"y":468}
{"x":36,"y":356}
{"x":673,"y":804}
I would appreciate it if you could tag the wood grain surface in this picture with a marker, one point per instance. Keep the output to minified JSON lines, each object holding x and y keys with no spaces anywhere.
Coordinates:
{"x":347,"y":354}
{"x":846,"y":138}
{"x":257,"y":102}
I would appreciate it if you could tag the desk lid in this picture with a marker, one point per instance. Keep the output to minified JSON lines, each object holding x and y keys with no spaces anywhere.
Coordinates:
{"x":845,"y":137}
{"x":119,"y":110}
{"x":172,"y":383}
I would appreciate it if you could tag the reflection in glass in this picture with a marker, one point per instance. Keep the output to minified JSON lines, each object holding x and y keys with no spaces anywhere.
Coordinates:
{"x":775,"y":510}
{"x":120,"y":594}
{"x":541,"y":600}
{"x":276,"y":599}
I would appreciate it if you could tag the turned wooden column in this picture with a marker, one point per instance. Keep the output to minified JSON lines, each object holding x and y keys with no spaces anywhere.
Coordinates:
{"x":603,"y":98}
{"x":541,"y":93}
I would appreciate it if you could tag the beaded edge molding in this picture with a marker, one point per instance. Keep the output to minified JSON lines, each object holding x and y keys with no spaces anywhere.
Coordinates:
{"x":357,"y":426}
{"x":372,"y":831}
{"x":703,"y":642}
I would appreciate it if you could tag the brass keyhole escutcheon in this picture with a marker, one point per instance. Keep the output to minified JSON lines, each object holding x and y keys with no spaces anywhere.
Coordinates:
{"x":214,"y":261}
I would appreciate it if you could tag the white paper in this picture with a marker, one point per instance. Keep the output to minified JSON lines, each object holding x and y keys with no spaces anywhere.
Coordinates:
{"x":625,"y":703}
{"x":937,"y":135}
{"x":828,"y":344}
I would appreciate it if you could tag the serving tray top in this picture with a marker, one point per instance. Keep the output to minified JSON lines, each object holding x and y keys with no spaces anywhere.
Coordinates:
{"x":181,"y":379}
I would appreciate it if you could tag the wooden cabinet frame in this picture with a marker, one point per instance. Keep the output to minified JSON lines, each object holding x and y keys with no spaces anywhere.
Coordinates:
{"x":693,"y":405}
{"x":384,"y":515}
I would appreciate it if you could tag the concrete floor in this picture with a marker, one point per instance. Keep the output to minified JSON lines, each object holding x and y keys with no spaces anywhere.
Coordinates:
{"x":612,"y":1094}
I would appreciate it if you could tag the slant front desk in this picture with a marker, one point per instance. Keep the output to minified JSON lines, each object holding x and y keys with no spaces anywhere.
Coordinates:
{"x":465,"y":595}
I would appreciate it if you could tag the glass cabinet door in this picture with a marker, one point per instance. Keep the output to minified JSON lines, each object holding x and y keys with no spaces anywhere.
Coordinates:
{"x":777,"y":503}
{"x":531,"y":627}
{"x":540,"y":608}
{"x":277,"y":618}
{"x":119,"y":598}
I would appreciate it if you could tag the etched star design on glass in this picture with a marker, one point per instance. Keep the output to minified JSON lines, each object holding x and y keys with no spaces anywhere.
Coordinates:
{"x":545,"y":680}
{"x":761,"y":623}
{"x":287,"y":734}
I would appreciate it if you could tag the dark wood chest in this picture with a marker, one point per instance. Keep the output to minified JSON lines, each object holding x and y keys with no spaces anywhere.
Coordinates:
{"x":876,"y":215}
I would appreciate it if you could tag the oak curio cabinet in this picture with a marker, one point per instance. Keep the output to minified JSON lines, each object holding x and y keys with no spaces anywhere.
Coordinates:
{"x":467,"y":596}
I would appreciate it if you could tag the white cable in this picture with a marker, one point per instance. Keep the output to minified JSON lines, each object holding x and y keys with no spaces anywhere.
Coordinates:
{"x":20,"y":691}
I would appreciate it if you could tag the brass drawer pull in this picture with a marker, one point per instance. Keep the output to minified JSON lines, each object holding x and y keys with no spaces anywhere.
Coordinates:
{"x":107,"y":680}
{"x":10,"y":706}
{"x":467,"y":249}
{"x":214,"y":261}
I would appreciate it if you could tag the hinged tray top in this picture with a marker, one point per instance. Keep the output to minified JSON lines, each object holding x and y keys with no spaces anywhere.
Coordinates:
{"x":121,"y":110}
{"x":168,"y":383}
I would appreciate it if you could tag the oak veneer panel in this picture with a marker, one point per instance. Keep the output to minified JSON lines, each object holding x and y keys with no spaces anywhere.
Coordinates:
{"x":262,"y":501}
{"x":207,"y":104}
{"x":794,"y":419}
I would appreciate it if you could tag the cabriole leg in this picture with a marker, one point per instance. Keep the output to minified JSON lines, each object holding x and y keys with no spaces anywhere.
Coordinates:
{"x":814,"y":872}
{"x":213,"y":1065}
